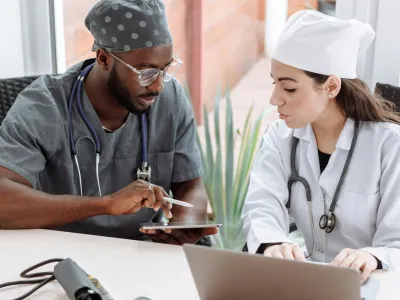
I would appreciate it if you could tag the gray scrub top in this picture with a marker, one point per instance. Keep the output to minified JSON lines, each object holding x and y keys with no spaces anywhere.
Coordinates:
{"x":34,"y":143}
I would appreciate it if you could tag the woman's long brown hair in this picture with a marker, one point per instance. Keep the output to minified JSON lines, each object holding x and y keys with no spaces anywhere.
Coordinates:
{"x":356,"y":101}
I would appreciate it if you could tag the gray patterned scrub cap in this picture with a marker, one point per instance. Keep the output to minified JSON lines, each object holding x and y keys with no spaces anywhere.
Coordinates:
{"x":126,"y":25}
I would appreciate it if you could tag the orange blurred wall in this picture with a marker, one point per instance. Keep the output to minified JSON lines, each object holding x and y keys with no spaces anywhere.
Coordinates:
{"x":233,"y":41}
{"x":296,"y":5}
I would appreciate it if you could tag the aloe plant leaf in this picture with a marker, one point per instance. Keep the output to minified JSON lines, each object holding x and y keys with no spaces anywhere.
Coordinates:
{"x":226,"y":182}
{"x":229,"y":161}
{"x":218,"y":192}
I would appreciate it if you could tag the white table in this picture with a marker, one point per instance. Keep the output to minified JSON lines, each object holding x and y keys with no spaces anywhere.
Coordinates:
{"x":127,"y":269}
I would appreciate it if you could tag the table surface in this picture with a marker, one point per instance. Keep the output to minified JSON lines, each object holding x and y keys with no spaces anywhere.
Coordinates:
{"x":127,"y":269}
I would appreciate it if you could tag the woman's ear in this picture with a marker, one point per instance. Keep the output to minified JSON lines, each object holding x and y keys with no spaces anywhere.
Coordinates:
{"x":332,"y":86}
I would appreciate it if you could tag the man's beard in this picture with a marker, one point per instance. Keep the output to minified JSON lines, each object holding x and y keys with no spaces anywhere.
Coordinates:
{"x":119,"y":92}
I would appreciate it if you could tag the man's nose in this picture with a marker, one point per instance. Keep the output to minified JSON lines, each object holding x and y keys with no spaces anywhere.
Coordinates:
{"x":157,"y":86}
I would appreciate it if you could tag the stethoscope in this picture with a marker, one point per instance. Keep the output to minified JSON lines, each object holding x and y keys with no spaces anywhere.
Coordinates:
{"x":143,"y":173}
{"x":327,"y":221}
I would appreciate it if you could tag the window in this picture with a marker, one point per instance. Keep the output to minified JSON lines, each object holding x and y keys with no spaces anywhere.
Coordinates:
{"x":77,"y":38}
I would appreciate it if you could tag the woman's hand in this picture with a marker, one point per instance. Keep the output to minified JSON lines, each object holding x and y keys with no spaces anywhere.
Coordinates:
{"x":357,"y":259}
{"x":285,"y":251}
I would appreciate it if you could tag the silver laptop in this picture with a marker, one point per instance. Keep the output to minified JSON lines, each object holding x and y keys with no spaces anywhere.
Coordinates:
{"x":221,"y":274}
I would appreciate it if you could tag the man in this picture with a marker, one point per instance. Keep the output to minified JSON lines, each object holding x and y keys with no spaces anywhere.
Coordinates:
{"x":72,"y":163}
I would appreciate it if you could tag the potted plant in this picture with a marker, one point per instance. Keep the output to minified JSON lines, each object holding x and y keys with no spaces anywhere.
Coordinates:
{"x":226,"y":178}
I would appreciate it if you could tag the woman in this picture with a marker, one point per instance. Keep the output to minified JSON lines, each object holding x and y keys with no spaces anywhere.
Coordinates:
{"x":342,"y":184}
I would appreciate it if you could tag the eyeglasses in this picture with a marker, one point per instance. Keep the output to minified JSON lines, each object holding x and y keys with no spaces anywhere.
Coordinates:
{"x":148,"y":76}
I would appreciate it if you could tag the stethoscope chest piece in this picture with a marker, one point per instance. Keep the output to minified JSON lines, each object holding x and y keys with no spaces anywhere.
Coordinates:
{"x":144,"y":173}
{"x":327,"y":222}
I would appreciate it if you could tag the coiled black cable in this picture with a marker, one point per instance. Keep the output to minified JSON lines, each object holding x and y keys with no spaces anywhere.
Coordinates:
{"x":46,"y":278}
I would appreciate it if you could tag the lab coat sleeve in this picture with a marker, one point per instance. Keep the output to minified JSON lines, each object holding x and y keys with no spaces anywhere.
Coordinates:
{"x":264,"y":215}
{"x":386,"y":242}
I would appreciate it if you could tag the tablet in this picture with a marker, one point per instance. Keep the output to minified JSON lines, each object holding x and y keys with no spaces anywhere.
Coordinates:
{"x":179,"y":225}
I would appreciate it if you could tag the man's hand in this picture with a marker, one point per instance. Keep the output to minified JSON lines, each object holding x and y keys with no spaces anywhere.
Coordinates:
{"x":178,"y":236}
{"x":135,"y":196}
{"x":356,"y":259}
{"x":285,"y":251}
{"x":193,"y":192}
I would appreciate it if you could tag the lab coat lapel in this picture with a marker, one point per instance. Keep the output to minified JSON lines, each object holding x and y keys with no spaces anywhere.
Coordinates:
{"x":346,"y":136}
{"x":330,"y":178}
{"x":309,"y":148}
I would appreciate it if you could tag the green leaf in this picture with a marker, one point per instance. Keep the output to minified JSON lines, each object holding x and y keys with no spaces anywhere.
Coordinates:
{"x":230,"y":153}
{"x":242,"y":148}
{"x":241,"y":166}
{"x":217,"y":178}
{"x":227,"y":184}
{"x":251,"y":150}
{"x":202,"y":155}
{"x":208,"y":179}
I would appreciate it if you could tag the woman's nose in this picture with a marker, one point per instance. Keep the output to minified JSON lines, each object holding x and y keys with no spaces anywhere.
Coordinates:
{"x":275,"y":99}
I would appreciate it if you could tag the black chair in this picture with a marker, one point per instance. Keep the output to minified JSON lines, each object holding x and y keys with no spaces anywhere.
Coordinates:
{"x":389,"y":92}
{"x":9,"y":90}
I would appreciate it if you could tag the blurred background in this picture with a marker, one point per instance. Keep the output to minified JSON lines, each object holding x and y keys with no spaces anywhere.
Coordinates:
{"x":225,"y":45}
{"x":220,"y":41}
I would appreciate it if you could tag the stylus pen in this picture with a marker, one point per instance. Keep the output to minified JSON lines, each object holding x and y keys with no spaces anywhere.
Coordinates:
{"x":177,"y":202}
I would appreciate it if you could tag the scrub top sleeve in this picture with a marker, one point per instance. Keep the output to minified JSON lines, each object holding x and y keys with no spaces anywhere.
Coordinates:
{"x":386,"y":241}
{"x":30,"y":133}
{"x":187,"y":158}
{"x":264,"y":215}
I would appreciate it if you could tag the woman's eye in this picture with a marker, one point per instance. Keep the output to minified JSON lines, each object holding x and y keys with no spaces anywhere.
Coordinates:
{"x":290,"y":90}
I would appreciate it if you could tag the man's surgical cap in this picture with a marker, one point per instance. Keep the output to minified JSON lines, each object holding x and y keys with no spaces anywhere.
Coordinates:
{"x":125,"y":25}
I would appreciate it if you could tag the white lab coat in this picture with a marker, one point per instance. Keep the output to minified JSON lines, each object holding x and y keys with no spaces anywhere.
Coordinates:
{"x":368,"y":207}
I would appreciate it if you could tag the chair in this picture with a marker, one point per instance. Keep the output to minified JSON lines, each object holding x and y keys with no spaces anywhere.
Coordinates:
{"x":389,"y":92}
{"x":327,"y":7}
{"x":9,"y":90}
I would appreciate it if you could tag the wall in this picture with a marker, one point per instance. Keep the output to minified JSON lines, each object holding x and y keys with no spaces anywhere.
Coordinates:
{"x":178,"y":18}
{"x":386,"y":63}
{"x":233,"y":41}
{"x":11,"y":58}
{"x":276,"y":12}
{"x":36,"y":37}
{"x":381,"y":61}
{"x":296,"y":5}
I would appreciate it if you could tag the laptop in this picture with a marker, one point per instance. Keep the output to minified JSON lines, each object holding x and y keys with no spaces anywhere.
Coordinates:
{"x":221,"y":274}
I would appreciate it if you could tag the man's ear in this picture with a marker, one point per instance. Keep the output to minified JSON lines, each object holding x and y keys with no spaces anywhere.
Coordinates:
{"x":103,"y":59}
{"x":332,"y":86}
